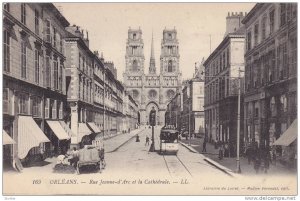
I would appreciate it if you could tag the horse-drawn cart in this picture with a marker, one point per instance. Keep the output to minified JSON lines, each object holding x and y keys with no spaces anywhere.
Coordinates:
{"x":92,"y":155}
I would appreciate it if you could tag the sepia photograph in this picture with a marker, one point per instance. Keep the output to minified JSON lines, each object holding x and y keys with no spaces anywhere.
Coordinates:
{"x":149,"y":98}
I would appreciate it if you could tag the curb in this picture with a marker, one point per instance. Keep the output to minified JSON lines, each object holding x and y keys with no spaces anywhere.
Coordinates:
{"x":189,"y":147}
{"x":210,"y":161}
{"x":218,"y":166}
{"x":124,"y":142}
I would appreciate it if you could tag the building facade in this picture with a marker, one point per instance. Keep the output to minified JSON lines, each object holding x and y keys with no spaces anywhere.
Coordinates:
{"x":192,"y":107}
{"x":152,"y":89}
{"x":222,"y":71}
{"x":34,"y":94}
{"x":174,"y":112}
{"x":80,"y":84}
{"x":271,"y":73}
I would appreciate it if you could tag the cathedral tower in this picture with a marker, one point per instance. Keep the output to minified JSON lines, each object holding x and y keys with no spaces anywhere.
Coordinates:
{"x":134,"y":58}
{"x":152,"y":90}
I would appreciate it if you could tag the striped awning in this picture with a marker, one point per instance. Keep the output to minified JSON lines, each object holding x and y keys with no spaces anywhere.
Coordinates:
{"x":29,"y":135}
{"x":58,"y":130}
{"x":289,"y":136}
{"x":6,"y":139}
{"x":94,"y":127}
{"x":83,"y":130}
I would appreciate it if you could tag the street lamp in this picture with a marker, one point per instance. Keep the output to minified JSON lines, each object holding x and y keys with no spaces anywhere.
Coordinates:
{"x":238,"y":164}
{"x":152,"y":117}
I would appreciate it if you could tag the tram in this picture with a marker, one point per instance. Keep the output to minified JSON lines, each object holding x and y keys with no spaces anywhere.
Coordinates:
{"x":168,"y":140}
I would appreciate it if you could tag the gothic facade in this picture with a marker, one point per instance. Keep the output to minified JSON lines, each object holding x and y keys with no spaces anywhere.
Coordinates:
{"x":152,"y":89}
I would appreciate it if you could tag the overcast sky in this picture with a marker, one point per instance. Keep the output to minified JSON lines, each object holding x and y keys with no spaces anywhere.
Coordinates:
{"x":108,"y":23}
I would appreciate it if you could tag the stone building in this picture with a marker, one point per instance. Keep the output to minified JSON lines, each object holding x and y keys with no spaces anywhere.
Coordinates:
{"x":222,"y":69}
{"x":152,"y":89}
{"x":80,"y":84}
{"x":193,"y":103}
{"x":271,"y":74}
{"x":130,"y":112}
{"x":173,"y":115}
{"x":95,"y":96}
{"x":34,"y":94}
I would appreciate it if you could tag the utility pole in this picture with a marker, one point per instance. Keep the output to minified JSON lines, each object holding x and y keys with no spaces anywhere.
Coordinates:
{"x":104,"y":103}
{"x":238,"y":165}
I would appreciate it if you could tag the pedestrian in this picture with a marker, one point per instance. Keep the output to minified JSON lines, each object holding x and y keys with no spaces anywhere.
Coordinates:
{"x":257,"y":163}
{"x":249,"y":154}
{"x":147,"y":141}
{"x":75,"y":157}
{"x":204,"y":145}
{"x":267,"y":162}
{"x":137,"y":138}
{"x":274,"y":156}
{"x":42,"y":153}
{"x":226,"y":150}
{"x":221,"y":150}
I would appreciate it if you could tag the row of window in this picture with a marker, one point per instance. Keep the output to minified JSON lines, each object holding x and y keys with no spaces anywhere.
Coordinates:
{"x":32,"y":105}
{"x":217,"y":90}
{"x":98,"y":94}
{"x":51,"y":34}
{"x":277,"y":64}
{"x":218,"y":64}
{"x":85,"y":89}
{"x":53,"y":68}
{"x":266,"y":26}
{"x":276,"y":107}
{"x":170,"y":50}
{"x":85,"y":65}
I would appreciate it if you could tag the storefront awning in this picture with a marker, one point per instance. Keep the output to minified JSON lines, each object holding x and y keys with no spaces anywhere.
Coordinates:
{"x":29,"y":135}
{"x":94,"y":127}
{"x":6,"y":139}
{"x":66,"y":128}
{"x":83,"y":130}
{"x":58,"y":130}
{"x":289,"y":136}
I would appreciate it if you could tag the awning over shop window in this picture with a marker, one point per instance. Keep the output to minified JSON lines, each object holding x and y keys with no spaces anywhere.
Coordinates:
{"x":289,"y":136}
{"x":6,"y":139}
{"x":83,"y":130}
{"x":66,"y":128}
{"x":29,"y":135}
{"x":94,"y":127}
{"x":58,"y":130}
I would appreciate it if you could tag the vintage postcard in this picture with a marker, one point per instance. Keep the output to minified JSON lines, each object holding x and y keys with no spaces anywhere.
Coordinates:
{"x":149,"y":99}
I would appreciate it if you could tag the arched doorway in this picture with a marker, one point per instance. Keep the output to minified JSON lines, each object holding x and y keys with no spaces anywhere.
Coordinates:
{"x":149,"y":108}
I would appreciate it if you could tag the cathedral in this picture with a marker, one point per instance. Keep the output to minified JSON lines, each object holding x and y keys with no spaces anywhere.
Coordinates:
{"x":153,"y":89}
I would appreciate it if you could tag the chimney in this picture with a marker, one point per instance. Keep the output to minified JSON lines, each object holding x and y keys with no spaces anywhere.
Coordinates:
{"x":102,"y":58}
{"x":233,"y":22}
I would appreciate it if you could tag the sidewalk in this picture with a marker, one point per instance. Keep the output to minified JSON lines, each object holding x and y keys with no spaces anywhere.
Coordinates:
{"x":113,"y":143}
{"x":230,"y":163}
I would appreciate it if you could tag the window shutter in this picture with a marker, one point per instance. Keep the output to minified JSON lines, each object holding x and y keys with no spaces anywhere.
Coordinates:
{"x":54,"y":110}
{"x":6,"y":109}
{"x":60,"y":111}
{"x":47,"y":105}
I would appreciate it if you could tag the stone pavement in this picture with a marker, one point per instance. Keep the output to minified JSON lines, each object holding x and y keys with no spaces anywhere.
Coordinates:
{"x":231,"y":164}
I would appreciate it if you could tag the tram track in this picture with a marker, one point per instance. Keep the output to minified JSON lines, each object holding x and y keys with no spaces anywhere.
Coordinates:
{"x":175,"y":166}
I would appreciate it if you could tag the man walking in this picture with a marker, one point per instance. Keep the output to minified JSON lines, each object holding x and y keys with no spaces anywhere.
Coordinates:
{"x":147,"y":141}
{"x":204,"y":145}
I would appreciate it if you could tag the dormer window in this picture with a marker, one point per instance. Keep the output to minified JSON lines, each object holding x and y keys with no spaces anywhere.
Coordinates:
{"x":170,"y":36}
{"x":134,"y":36}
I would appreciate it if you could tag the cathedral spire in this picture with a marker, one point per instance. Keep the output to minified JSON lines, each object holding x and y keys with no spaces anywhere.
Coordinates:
{"x":152,"y":69}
